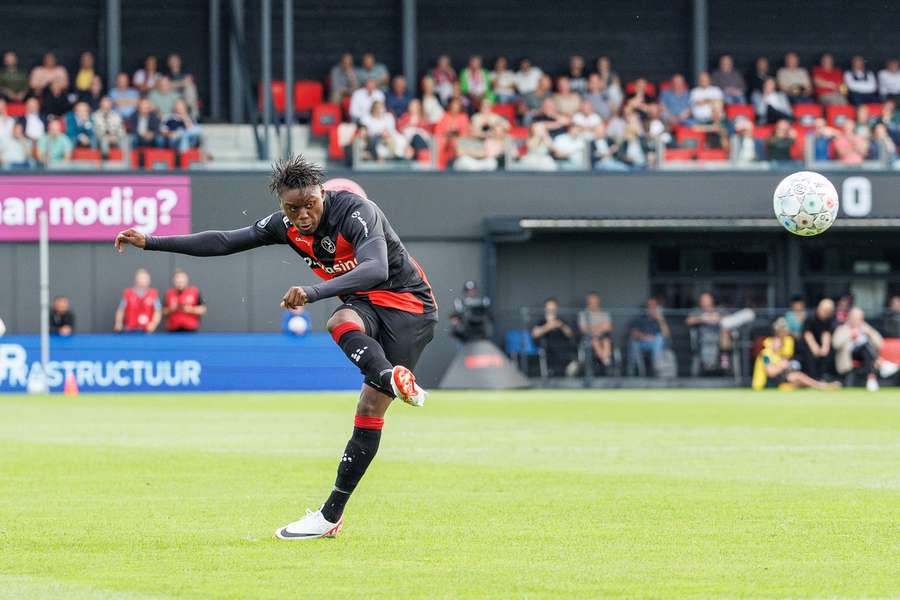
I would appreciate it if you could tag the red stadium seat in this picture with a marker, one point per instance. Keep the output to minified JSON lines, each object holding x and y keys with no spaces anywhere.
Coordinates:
{"x":335,"y":151}
{"x":890,"y":351}
{"x":665,"y":85}
{"x":307,"y":94}
{"x":631,"y":85}
{"x":114,"y":154}
{"x":87,"y":155}
{"x":185,"y":159}
{"x":679,"y":154}
{"x":763,"y":132}
{"x":732,"y":111}
{"x":155,"y":158}
{"x":688,"y":138}
{"x":325,"y":117}
{"x":520,"y":133}
{"x":712,"y":154}
{"x":507,"y":111}
{"x":806,"y":114}
{"x":278,"y":95}
{"x":874,"y":108}
{"x":15,"y":109}
{"x":799,"y":145}
{"x":836,"y":114}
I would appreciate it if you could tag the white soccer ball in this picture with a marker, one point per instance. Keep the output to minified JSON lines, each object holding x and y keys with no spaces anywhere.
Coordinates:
{"x":298,"y":325}
{"x":806,"y":203}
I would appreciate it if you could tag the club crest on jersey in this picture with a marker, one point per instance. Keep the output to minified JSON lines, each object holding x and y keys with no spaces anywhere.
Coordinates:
{"x":327,"y":245}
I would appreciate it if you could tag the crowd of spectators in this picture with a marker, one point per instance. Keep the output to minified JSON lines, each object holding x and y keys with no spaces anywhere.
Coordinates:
{"x":483,"y":116}
{"x":46,"y":115}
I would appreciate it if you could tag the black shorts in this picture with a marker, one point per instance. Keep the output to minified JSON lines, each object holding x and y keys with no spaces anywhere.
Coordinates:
{"x":775,"y":382}
{"x":402,"y":335}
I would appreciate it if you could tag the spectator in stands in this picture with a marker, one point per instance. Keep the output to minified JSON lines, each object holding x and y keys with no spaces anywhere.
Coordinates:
{"x":538,"y":146}
{"x":596,"y":328}
{"x":85,"y":74}
{"x":397,"y":100}
{"x":774,"y":367}
{"x":610,"y":77}
{"x":139,"y":310}
{"x":633,"y":149}
{"x":676,"y":101}
{"x":144,"y":79}
{"x":163,"y":97}
{"x":413,"y":126}
{"x":822,"y":136}
{"x":144,"y":126}
{"x":184,"y":305}
{"x":858,"y":343}
{"x":558,"y":340}
{"x":371,"y":69}
{"x":109,"y":128}
{"x":62,"y":319}
{"x":891,"y":320}
{"x":731,"y":82}
{"x":179,"y":129}
{"x":555,"y":122}
{"x":475,"y":82}
{"x":773,"y":105}
{"x":648,"y":334}
{"x":850,"y":147}
{"x":455,"y":121}
{"x":889,"y":81}
{"x":757,"y":78}
{"x":567,"y":101}
{"x":94,"y":93}
{"x":13,"y":82}
{"x":489,"y":129}
{"x":577,"y":75}
{"x":597,"y":95}
{"x":55,"y":100}
{"x":16,"y":149}
{"x":712,"y":340}
{"x":884,"y":145}
{"x":295,"y":321}
{"x":6,"y":121}
{"x":343,"y":79}
{"x":385,"y":142}
{"x":54,"y":147}
{"x":431,"y":106}
{"x":796,"y":316}
{"x":778,"y":146}
{"x":527,"y":77}
{"x":46,"y":73}
{"x":362,"y":99}
{"x":585,"y":121}
{"x":531,"y":103}
{"x":794,"y":80}
{"x":503,"y":81}
{"x":124,"y":97}
{"x":33,"y":121}
{"x":703,"y":97}
{"x":444,"y":76}
{"x":717,"y":133}
{"x":639,"y":100}
{"x":842,"y":308}
{"x":604,"y":151}
{"x":183,"y":83}
{"x":829,"y":81}
{"x":861,"y":83}
{"x":743,"y":148}
{"x":817,"y":331}
{"x":79,"y":126}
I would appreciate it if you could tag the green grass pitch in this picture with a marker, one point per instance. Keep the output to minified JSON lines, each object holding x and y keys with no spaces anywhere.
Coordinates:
{"x":542,"y":494}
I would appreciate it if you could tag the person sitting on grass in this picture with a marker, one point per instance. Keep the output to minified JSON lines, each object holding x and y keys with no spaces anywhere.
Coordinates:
{"x":775,"y":367}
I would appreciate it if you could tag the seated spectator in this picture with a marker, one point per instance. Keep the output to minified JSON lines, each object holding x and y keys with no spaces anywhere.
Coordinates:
{"x":703,"y":97}
{"x":757,"y":78}
{"x":444,"y":76}
{"x":533,"y":101}
{"x":555,"y":122}
{"x":891,"y":320}
{"x":822,"y":137}
{"x":124,"y":97}
{"x":538,"y":146}
{"x":611,"y":81}
{"x":648,"y":334}
{"x":778,"y":146}
{"x":33,"y":121}
{"x":179,"y":130}
{"x":568,"y":149}
{"x":343,"y":78}
{"x":144,"y":126}
{"x":862,"y":86}
{"x":577,"y":75}
{"x":793,"y":80}
{"x":162,"y":96}
{"x":94,"y":94}
{"x":475,"y":82}
{"x":295,"y":321}
{"x":139,"y":310}
{"x":558,"y":340}
{"x":144,"y":79}
{"x":397,"y":100}
{"x":431,"y":106}
{"x":62,"y":319}
{"x":413,"y":126}
{"x":79,"y":126}
{"x":55,"y":100}
{"x":634,"y":150}
{"x":385,"y":142}
{"x":6,"y":121}
{"x":371,"y":69}
{"x":743,"y":144}
{"x":47,"y":72}
{"x":850,"y":147}
{"x":731,"y":82}
{"x":362,"y":99}
{"x":489,"y":129}
{"x":585,"y":121}
{"x":855,"y":341}
{"x":13,"y":82}
{"x":54,"y":147}
{"x":774,"y":367}
{"x":503,"y":81}
{"x":717,"y":133}
{"x":184,"y":306}
{"x":882,"y":143}
{"x":829,"y":81}
{"x":85,"y":75}
{"x":842,"y":308}
{"x":16,"y":149}
{"x":772,"y":105}
{"x":713,"y":342}
{"x":604,"y":151}
{"x":527,"y":77}
{"x":796,"y":316}
{"x":817,"y":331}
{"x":109,"y":128}
{"x":676,"y":102}
{"x":889,"y":81}
{"x":639,"y":100}
{"x":597,"y":95}
{"x":183,"y":83}
{"x":455,"y":121}
{"x":567,"y":102}
{"x":596,"y":328}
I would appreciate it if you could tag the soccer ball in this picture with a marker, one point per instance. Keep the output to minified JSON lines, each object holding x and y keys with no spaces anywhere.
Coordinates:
{"x":806,"y":203}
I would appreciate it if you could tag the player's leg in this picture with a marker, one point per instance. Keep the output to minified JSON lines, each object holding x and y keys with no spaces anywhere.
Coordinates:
{"x":355,"y":328}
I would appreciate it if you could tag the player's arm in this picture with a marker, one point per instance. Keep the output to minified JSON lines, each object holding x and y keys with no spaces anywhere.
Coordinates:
{"x":207,"y":243}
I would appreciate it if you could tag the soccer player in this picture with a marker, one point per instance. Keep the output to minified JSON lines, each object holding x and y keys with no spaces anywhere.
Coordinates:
{"x":387,"y":317}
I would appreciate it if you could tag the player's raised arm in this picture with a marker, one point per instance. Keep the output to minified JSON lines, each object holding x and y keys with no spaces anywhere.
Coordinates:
{"x":205,"y":243}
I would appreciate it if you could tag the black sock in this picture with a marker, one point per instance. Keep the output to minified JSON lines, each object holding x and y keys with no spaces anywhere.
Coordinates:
{"x":358,"y":454}
{"x":368,"y":355}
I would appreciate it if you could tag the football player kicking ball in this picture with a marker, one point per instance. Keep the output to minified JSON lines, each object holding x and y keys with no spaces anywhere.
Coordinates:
{"x":387,"y":316}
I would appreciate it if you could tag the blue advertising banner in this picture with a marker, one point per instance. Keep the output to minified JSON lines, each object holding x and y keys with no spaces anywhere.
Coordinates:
{"x":180,"y":362}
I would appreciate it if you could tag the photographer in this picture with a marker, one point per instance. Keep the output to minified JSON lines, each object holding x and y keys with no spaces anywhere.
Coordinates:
{"x":470,"y":319}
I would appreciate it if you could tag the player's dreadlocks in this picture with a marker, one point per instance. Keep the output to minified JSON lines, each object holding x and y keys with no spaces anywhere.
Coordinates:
{"x":295,"y":173}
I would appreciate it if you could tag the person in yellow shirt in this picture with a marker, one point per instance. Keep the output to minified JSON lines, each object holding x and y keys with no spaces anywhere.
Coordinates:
{"x":85,"y":72}
{"x":774,"y":367}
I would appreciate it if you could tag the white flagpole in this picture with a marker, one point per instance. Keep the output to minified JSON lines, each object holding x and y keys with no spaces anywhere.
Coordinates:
{"x":45,"y":295}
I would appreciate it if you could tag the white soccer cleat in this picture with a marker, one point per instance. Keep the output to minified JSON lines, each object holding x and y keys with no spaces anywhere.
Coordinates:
{"x":403,"y":382}
{"x":310,"y":527}
{"x":887,"y":369}
{"x":872,"y":384}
